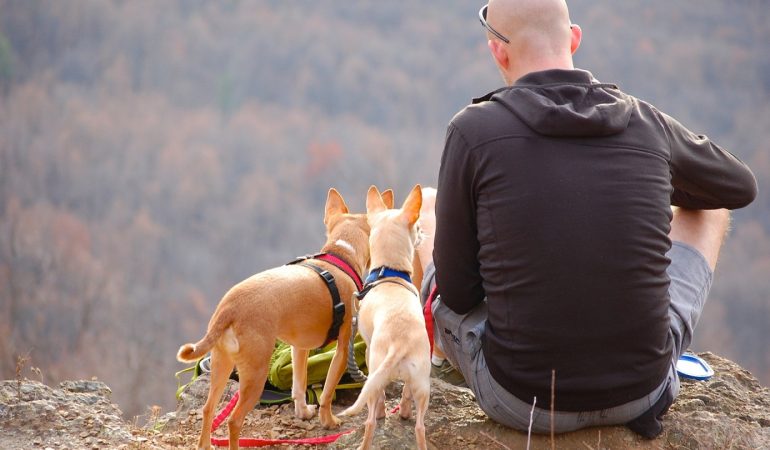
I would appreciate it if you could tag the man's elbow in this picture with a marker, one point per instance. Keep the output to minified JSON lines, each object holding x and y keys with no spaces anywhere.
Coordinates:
{"x":746,"y":191}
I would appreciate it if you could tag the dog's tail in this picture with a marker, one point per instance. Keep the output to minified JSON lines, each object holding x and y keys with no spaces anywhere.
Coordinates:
{"x":192,"y":352}
{"x":220,"y":325}
{"x":375,"y":382}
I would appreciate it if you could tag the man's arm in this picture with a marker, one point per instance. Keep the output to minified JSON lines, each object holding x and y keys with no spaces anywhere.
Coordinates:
{"x":705,"y":176}
{"x":456,"y":249}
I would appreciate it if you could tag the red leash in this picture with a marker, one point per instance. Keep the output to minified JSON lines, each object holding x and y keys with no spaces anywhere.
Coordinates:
{"x":428,"y":314}
{"x":257,"y":442}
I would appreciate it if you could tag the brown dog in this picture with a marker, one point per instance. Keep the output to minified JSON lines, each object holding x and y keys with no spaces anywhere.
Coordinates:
{"x":290,"y":303}
{"x":390,"y":317}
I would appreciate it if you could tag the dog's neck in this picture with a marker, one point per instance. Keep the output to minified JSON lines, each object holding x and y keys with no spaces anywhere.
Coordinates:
{"x":389,"y":248}
{"x":401,"y":267}
{"x":392,"y":260}
{"x":348,"y":253}
{"x":345,"y":244}
{"x":347,"y":236}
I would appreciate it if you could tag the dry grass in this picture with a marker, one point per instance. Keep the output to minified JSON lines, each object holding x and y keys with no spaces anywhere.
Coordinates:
{"x":21,"y":361}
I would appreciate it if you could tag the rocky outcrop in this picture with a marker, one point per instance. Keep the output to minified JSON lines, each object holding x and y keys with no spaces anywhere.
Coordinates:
{"x":732,"y":410}
{"x":75,"y":415}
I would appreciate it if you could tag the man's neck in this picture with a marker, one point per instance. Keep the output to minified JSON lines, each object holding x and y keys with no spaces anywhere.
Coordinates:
{"x":514,"y":74}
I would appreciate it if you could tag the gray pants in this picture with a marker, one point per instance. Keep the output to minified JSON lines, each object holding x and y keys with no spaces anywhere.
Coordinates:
{"x":690,"y":282}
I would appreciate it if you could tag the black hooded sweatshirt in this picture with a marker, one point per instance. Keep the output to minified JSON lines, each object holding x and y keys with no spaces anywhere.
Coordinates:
{"x":554,"y":200}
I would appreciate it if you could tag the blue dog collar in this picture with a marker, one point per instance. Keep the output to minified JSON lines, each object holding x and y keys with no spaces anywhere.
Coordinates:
{"x":386,"y":272}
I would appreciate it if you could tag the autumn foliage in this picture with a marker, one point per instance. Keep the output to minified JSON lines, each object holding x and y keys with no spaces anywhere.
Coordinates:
{"x":152,"y":154}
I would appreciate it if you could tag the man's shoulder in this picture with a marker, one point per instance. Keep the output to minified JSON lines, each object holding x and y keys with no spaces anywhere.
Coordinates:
{"x":482,"y":119}
{"x":479,"y":111}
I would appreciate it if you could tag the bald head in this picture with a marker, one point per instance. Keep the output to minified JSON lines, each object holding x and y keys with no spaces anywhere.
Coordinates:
{"x":539,"y":33}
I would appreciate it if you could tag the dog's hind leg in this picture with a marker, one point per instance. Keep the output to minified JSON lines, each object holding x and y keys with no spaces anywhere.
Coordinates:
{"x":380,"y":404}
{"x":299,"y":383}
{"x":252,"y":373}
{"x":221,"y":367}
{"x":421,"y":394}
{"x":405,"y":407}
{"x":370,"y":424}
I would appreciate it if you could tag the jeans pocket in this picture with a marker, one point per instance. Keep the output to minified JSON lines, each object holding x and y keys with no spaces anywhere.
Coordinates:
{"x":471,"y":343}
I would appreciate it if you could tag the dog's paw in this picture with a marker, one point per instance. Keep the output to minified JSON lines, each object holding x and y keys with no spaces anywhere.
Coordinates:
{"x":329,"y":420}
{"x":304,"y":412}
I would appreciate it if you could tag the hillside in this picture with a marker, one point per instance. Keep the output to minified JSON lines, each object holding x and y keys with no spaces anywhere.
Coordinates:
{"x":153,"y":154}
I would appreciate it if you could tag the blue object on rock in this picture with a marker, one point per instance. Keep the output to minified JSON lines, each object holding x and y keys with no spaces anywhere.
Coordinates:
{"x":693,"y":367}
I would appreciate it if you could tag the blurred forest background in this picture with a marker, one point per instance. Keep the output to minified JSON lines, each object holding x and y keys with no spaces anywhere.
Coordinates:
{"x":153,"y":154}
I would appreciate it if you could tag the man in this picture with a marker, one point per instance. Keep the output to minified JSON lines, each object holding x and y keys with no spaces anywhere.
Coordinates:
{"x":578,"y":229}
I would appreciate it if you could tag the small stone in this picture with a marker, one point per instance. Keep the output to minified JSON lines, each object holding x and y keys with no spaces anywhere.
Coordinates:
{"x":307,"y":426}
{"x":692,"y":405}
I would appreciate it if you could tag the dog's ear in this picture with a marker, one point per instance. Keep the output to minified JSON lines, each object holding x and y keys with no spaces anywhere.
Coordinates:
{"x":412,"y":205}
{"x":335,"y":205}
{"x":374,"y":203}
{"x":387,"y":197}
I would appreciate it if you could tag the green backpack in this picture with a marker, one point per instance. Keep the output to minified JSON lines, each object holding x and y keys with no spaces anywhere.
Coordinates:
{"x":278,"y":384}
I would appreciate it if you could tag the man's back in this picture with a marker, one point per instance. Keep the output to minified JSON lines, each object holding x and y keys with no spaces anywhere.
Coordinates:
{"x":554,"y":201}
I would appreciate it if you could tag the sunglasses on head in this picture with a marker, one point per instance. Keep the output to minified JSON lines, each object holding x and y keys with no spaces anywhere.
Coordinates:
{"x":483,"y":19}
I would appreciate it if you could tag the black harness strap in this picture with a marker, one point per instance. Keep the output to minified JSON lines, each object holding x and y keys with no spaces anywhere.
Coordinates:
{"x":338,"y":308}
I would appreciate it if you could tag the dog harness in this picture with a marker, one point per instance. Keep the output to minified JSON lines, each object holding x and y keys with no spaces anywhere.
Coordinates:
{"x":385,"y":275}
{"x":338,"y":308}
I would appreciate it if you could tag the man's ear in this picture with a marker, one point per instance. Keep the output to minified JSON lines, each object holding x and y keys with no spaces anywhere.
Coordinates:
{"x":499,"y":54}
{"x":374,"y":203}
{"x":577,"y":37}
{"x":335,"y":205}
{"x":412,"y":205}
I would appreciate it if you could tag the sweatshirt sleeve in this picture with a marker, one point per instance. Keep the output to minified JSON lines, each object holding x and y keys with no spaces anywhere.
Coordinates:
{"x":705,"y":176}
{"x":455,"y":253}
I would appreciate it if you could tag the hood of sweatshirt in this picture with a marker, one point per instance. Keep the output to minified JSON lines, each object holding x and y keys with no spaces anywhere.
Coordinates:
{"x":566,"y":103}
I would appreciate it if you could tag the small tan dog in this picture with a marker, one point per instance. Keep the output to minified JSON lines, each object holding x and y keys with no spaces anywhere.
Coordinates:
{"x":390,"y":317}
{"x":290,"y":303}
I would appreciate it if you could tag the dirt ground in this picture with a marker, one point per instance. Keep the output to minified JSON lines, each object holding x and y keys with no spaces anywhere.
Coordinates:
{"x":732,"y":410}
